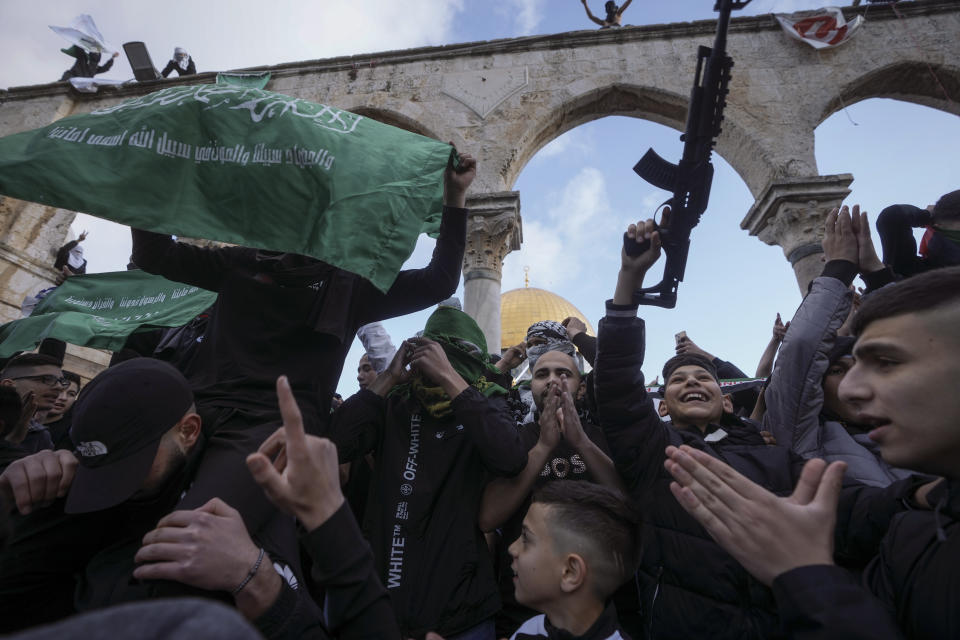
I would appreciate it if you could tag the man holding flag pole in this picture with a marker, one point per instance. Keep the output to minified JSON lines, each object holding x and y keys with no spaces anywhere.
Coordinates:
{"x":282,"y":313}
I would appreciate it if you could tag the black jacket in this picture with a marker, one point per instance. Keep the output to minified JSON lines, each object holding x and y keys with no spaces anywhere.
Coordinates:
{"x":694,"y":589}
{"x":911,"y":589}
{"x":63,"y":257}
{"x":57,"y":563}
{"x":355,"y":604}
{"x":174,"y":66}
{"x":260,"y":330}
{"x":10,"y":452}
{"x":895,"y":225}
{"x":421,"y":519}
{"x":86,"y":66}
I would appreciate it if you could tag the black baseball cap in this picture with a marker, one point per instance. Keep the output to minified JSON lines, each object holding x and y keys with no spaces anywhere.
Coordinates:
{"x":118,"y":422}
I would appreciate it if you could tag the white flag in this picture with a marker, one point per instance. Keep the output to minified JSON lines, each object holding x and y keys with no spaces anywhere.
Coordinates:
{"x":821,"y":29}
{"x":84,"y":33}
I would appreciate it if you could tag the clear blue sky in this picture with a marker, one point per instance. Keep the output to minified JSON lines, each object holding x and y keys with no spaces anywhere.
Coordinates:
{"x":578,"y":193}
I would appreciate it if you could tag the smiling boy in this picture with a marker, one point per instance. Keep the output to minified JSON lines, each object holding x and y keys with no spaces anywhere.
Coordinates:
{"x":691,"y":588}
{"x":903,"y":385}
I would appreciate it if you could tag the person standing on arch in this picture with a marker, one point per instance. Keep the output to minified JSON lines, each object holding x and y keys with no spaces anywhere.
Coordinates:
{"x":614,"y":13}
{"x":181,"y":62}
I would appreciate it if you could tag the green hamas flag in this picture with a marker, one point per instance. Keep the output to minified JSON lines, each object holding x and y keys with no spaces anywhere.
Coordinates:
{"x":102,"y":309}
{"x":244,"y":166}
{"x":250,"y":80}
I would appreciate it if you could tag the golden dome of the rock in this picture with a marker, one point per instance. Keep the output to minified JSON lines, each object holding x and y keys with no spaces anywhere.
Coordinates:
{"x":520,"y":308}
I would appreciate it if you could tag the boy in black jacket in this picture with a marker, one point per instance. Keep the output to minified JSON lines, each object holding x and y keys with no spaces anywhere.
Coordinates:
{"x":691,"y":587}
{"x":904,"y":385}
{"x":577,"y":545}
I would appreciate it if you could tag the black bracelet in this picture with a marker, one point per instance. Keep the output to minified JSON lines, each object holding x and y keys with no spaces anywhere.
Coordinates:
{"x":253,"y":572}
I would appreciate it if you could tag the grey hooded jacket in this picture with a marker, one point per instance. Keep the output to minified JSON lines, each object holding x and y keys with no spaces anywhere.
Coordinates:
{"x":794,"y":396}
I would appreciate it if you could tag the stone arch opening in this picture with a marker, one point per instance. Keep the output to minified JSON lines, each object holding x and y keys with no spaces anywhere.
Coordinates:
{"x":912,"y":81}
{"x":737,"y":147}
{"x":913,"y":142}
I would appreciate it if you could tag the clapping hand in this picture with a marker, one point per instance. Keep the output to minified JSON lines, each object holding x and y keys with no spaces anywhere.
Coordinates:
{"x":780,"y":329}
{"x":767,"y":534}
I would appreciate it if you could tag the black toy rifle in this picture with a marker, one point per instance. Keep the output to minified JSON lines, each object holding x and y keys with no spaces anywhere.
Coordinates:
{"x":691,"y":179}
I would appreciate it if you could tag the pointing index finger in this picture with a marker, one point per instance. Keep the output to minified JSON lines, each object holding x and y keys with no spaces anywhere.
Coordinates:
{"x":292,"y":419}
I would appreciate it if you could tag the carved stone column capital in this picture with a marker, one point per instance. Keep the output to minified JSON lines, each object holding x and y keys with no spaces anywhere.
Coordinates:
{"x":790,"y":213}
{"x":493,"y":230}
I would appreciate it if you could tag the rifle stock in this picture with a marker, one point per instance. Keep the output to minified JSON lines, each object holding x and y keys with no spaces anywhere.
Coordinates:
{"x":691,"y":179}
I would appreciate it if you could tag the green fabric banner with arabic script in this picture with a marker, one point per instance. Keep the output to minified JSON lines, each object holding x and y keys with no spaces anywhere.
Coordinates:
{"x":101,"y":310}
{"x":241,"y":165}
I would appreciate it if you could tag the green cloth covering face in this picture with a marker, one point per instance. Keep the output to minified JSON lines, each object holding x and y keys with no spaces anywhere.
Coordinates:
{"x":241,"y":165}
{"x":465,"y":346}
{"x":101,"y":310}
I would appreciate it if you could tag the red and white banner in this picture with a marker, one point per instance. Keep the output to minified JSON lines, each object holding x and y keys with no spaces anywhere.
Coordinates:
{"x":821,"y":29}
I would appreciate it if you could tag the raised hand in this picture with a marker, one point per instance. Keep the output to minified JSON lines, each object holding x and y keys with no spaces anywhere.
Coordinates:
{"x":568,"y":418}
{"x":299,"y":473}
{"x":28,"y":408}
{"x":634,"y":268}
{"x":686,"y":345}
{"x":396,"y":373}
{"x":575,"y":326}
{"x":456,"y":181}
{"x":867,"y":258}
{"x":839,"y":240}
{"x":780,"y":329}
{"x":38,"y":479}
{"x":647,"y":230}
{"x":429,"y":359}
{"x":550,"y":432}
{"x":512,"y":357}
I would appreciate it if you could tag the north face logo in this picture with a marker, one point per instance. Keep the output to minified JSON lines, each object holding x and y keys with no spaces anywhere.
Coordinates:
{"x":91,"y":449}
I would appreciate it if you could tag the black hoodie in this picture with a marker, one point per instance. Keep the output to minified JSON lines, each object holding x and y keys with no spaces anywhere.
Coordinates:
{"x":421,"y":519}
{"x":691,"y":587}
{"x":911,"y":589}
{"x":282,"y":314}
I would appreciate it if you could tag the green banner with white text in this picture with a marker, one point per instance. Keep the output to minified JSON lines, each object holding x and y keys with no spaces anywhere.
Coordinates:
{"x":101,"y":310}
{"x":241,"y":165}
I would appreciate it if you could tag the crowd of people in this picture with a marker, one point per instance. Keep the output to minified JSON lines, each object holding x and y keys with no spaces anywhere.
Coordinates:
{"x":447,"y":499}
